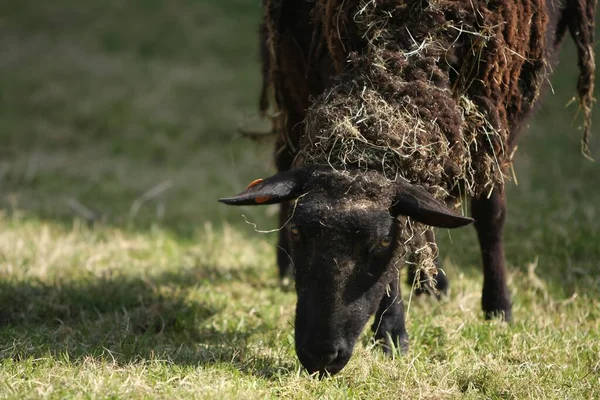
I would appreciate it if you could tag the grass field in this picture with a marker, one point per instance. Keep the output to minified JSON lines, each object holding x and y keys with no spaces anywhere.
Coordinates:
{"x":121,"y":276}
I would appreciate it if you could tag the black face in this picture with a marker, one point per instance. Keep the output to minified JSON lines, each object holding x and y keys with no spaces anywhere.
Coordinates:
{"x":344,"y":256}
{"x":343,"y":241}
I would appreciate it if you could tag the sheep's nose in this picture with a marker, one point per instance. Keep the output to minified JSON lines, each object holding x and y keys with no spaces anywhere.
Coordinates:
{"x":320,"y":360}
{"x":324,"y":358}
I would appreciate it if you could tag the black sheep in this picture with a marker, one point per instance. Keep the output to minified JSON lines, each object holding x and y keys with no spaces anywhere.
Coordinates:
{"x":389,"y":114}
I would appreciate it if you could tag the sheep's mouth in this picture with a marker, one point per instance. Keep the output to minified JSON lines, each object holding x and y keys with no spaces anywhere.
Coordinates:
{"x":332,"y":368}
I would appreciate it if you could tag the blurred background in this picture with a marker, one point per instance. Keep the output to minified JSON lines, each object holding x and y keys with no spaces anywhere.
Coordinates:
{"x":119,"y":131}
{"x":103,"y":101}
{"x":127,"y":113}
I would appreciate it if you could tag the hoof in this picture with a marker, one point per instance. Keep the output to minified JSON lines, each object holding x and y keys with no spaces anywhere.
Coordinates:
{"x":503,"y":314}
{"x":496,"y":304}
{"x":393,"y":343}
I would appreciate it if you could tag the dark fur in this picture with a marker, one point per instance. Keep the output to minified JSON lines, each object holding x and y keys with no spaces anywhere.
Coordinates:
{"x":347,"y":234}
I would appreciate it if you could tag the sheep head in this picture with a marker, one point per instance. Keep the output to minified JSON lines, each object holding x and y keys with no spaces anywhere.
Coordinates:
{"x":344,"y":237}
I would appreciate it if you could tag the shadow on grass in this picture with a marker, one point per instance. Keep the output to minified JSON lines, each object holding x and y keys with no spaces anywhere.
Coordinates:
{"x":129,"y":320}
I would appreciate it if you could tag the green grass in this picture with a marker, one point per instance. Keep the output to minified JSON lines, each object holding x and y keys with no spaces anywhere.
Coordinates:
{"x":101,"y":102}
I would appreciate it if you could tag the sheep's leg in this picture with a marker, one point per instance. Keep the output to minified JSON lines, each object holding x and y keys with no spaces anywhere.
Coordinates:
{"x":283,"y":257}
{"x":389,"y":326}
{"x":283,"y":162}
{"x":489,"y":214}
{"x":425,"y":284}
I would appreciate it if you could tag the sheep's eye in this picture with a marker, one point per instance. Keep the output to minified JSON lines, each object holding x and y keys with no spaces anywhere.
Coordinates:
{"x":385,"y":242}
{"x":294,"y":229}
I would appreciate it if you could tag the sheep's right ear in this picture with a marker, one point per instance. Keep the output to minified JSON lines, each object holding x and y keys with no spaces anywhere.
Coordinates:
{"x":415,"y":202}
{"x":278,"y":188}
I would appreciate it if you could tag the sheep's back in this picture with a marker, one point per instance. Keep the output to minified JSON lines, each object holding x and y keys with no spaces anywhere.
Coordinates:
{"x":433,"y":91}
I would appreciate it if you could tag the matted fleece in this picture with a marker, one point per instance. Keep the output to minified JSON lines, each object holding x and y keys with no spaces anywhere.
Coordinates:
{"x":426,"y":91}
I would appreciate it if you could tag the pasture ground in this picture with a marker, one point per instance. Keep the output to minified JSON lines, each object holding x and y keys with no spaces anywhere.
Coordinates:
{"x":121,"y":277}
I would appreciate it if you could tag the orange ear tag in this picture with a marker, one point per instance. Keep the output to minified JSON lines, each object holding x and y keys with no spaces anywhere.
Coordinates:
{"x":262,"y":199}
{"x":254,"y":183}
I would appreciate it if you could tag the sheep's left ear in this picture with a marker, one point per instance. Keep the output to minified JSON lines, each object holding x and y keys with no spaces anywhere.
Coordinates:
{"x":278,"y":188}
{"x":416,"y":202}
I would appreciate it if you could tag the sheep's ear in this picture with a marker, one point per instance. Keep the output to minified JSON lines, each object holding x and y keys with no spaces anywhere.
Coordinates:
{"x":416,"y":202}
{"x":278,"y":188}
